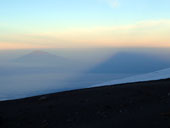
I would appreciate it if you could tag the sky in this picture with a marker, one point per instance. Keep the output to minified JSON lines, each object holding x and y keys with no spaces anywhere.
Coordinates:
{"x":28,"y":24}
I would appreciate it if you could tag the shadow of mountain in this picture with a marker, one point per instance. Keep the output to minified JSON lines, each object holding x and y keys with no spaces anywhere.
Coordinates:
{"x":130,"y":62}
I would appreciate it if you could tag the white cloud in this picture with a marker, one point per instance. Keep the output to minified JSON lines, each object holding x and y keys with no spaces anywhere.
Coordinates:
{"x":111,"y":3}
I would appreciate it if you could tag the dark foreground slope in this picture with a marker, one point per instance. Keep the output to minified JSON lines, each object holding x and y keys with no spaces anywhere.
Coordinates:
{"x":137,"y":105}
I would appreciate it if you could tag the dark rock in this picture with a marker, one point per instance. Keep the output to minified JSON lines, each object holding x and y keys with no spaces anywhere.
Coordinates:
{"x":1,"y":120}
{"x":167,"y":114}
{"x":135,"y":105}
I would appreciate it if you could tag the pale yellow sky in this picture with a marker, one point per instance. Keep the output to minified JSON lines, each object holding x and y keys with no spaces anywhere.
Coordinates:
{"x":151,"y":33}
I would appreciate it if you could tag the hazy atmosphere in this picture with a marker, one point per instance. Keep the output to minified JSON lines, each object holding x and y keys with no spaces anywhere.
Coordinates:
{"x":32,"y":72}
{"x":51,"y":46}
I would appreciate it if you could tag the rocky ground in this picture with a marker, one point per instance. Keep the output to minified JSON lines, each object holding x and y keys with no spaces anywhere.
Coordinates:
{"x":136,"y":105}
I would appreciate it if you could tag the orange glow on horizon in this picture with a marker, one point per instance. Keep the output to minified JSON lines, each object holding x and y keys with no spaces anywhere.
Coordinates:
{"x":141,"y":34}
{"x":10,"y":46}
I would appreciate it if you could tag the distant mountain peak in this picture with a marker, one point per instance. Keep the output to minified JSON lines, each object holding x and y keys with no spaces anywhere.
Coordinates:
{"x":39,"y":57}
{"x":39,"y":52}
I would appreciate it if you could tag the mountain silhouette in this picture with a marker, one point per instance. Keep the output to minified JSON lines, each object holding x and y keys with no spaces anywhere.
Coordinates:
{"x":42,"y":58}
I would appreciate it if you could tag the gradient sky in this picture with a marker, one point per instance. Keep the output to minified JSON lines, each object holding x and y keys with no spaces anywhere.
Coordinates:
{"x":84,"y":23}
